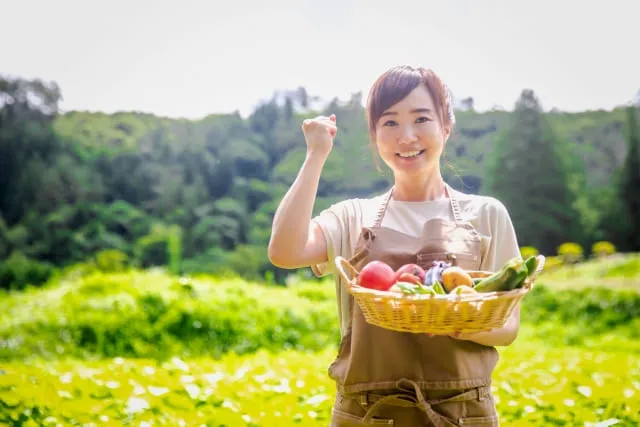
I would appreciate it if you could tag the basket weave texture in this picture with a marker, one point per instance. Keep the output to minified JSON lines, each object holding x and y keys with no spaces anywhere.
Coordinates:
{"x":435,"y":314}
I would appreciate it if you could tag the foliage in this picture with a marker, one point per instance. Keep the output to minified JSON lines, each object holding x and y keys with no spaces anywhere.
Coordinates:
{"x":552,"y":263}
{"x":574,"y":363}
{"x":18,"y":271}
{"x":111,"y":260}
{"x":570,"y":252}
{"x":630,"y":182}
{"x":534,"y":384}
{"x":75,"y":184}
{"x":528,"y":251}
{"x":530,"y":173}
{"x":155,"y":314}
{"x":602,"y":249}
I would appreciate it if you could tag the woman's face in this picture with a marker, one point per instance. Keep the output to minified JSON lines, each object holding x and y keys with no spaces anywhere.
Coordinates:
{"x":409,"y":136}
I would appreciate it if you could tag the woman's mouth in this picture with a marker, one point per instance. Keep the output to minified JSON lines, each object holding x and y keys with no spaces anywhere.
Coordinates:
{"x":410,"y":154}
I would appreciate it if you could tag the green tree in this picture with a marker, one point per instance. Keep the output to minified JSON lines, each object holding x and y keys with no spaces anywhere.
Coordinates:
{"x":528,"y":172}
{"x":630,"y":183}
{"x":27,"y":142}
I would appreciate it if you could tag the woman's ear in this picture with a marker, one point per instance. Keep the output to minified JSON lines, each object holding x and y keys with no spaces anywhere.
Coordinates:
{"x":447,"y":133}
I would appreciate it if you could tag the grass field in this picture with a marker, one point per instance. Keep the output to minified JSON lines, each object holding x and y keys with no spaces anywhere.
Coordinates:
{"x":544,"y":378}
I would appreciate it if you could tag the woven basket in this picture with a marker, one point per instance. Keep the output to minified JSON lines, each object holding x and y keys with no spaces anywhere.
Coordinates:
{"x":435,"y":314}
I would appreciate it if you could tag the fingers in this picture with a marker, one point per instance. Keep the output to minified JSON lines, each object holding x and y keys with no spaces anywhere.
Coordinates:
{"x":328,"y":122}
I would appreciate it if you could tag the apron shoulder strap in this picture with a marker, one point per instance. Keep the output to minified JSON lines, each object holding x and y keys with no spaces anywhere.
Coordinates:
{"x":383,"y":208}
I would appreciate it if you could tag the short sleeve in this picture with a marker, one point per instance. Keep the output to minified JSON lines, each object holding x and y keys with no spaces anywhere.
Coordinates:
{"x":333,"y":223}
{"x":503,"y":244}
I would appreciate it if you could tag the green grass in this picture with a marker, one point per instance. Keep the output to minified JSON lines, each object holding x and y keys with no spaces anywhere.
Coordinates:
{"x":616,"y":272}
{"x":533,"y":385}
{"x":146,"y":348}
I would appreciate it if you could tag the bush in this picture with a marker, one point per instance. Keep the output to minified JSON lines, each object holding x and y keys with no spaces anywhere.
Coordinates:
{"x":155,"y":315}
{"x":571,"y":253}
{"x":603,"y":249}
{"x":596,"y":309}
{"x":552,"y":262}
{"x":527,"y":251}
{"x":19,"y":271}
{"x":111,"y":260}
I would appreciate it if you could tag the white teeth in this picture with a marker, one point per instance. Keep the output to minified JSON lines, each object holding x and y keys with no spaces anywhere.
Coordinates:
{"x":409,"y":153}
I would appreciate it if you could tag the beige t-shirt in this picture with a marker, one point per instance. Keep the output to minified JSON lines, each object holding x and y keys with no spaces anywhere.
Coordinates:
{"x":342,"y":223}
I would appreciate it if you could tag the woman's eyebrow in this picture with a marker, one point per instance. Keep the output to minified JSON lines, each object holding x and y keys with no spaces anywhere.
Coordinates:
{"x":416,"y":110}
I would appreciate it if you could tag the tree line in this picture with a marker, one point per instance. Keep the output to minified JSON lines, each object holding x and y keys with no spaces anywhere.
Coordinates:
{"x":199,"y":195}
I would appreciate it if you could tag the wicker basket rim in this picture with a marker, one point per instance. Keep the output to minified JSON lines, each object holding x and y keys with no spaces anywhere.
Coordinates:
{"x":357,"y":290}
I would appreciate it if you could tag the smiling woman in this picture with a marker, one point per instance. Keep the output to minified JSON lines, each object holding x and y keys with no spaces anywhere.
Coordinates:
{"x":383,"y":376}
{"x":410,"y":119}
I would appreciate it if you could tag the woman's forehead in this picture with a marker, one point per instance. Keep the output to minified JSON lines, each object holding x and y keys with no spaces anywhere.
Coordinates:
{"x":415,"y":101}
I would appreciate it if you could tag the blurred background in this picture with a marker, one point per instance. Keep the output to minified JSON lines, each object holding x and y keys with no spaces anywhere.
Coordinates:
{"x":144,"y":148}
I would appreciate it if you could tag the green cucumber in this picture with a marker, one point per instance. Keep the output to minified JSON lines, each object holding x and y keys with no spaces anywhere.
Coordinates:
{"x":505,"y":279}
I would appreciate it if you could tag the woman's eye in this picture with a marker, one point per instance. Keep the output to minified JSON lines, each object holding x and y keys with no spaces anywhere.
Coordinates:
{"x":423,"y":119}
{"x":389,"y":123}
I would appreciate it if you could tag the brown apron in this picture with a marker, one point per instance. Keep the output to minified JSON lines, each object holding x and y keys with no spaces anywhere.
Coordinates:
{"x":406,"y":379}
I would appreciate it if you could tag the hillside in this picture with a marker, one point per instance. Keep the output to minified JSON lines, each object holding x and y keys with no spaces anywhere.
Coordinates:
{"x":199,"y":195}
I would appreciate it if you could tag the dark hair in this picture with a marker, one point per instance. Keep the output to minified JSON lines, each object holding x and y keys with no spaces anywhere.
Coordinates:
{"x":396,"y":83}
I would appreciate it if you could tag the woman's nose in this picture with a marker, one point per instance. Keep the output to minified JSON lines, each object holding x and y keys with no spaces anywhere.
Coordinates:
{"x":407,"y":135}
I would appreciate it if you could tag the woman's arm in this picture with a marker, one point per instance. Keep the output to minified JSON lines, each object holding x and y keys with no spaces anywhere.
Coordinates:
{"x":295,"y":240}
{"x":496,"y":337}
{"x":502,"y":247}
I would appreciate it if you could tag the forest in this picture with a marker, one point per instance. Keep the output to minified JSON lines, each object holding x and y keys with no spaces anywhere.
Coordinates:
{"x":198,"y":196}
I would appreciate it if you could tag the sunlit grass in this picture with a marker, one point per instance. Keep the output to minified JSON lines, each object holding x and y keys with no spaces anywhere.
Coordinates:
{"x":582,"y":370}
{"x":615,"y":272}
{"x":533,"y":385}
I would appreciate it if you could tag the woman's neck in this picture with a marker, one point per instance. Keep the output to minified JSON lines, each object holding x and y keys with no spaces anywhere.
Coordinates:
{"x":409,"y":190}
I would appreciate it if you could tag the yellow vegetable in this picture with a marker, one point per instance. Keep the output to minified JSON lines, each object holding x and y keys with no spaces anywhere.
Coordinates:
{"x":455,"y":276}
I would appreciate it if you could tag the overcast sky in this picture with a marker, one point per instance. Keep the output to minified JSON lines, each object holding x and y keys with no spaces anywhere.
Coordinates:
{"x":189,"y":59}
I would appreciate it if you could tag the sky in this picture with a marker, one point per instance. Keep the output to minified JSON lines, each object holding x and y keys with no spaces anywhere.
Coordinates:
{"x":194,"y":58}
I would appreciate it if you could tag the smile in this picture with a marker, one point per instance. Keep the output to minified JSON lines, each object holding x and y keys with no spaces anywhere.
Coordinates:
{"x":410,"y":154}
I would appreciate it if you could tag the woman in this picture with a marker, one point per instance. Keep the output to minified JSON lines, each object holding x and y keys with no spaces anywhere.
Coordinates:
{"x":382,"y":376}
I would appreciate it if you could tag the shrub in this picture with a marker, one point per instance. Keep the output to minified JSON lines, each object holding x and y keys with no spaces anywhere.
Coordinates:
{"x":155,"y":315}
{"x":527,"y":251}
{"x":597,"y":309}
{"x":603,"y":249}
{"x":570,"y":252}
{"x":111,"y":260}
{"x":552,"y":262}
{"x":19,"y":271}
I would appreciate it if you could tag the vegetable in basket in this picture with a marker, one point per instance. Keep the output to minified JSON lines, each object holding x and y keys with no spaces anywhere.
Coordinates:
{"x":512,"y":275}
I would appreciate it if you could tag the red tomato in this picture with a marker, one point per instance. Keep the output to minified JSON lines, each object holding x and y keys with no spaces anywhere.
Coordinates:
{"x":377,"y":275}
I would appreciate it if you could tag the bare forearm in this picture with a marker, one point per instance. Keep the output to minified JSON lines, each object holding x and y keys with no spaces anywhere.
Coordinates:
{"x":292,"y":218}
{"x":497,"y":337}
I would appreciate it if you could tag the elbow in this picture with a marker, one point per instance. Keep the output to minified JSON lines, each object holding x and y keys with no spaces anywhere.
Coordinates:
{"x":511,"y":335}
{"x":278,"y":258}
{"x":510,"y":339}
